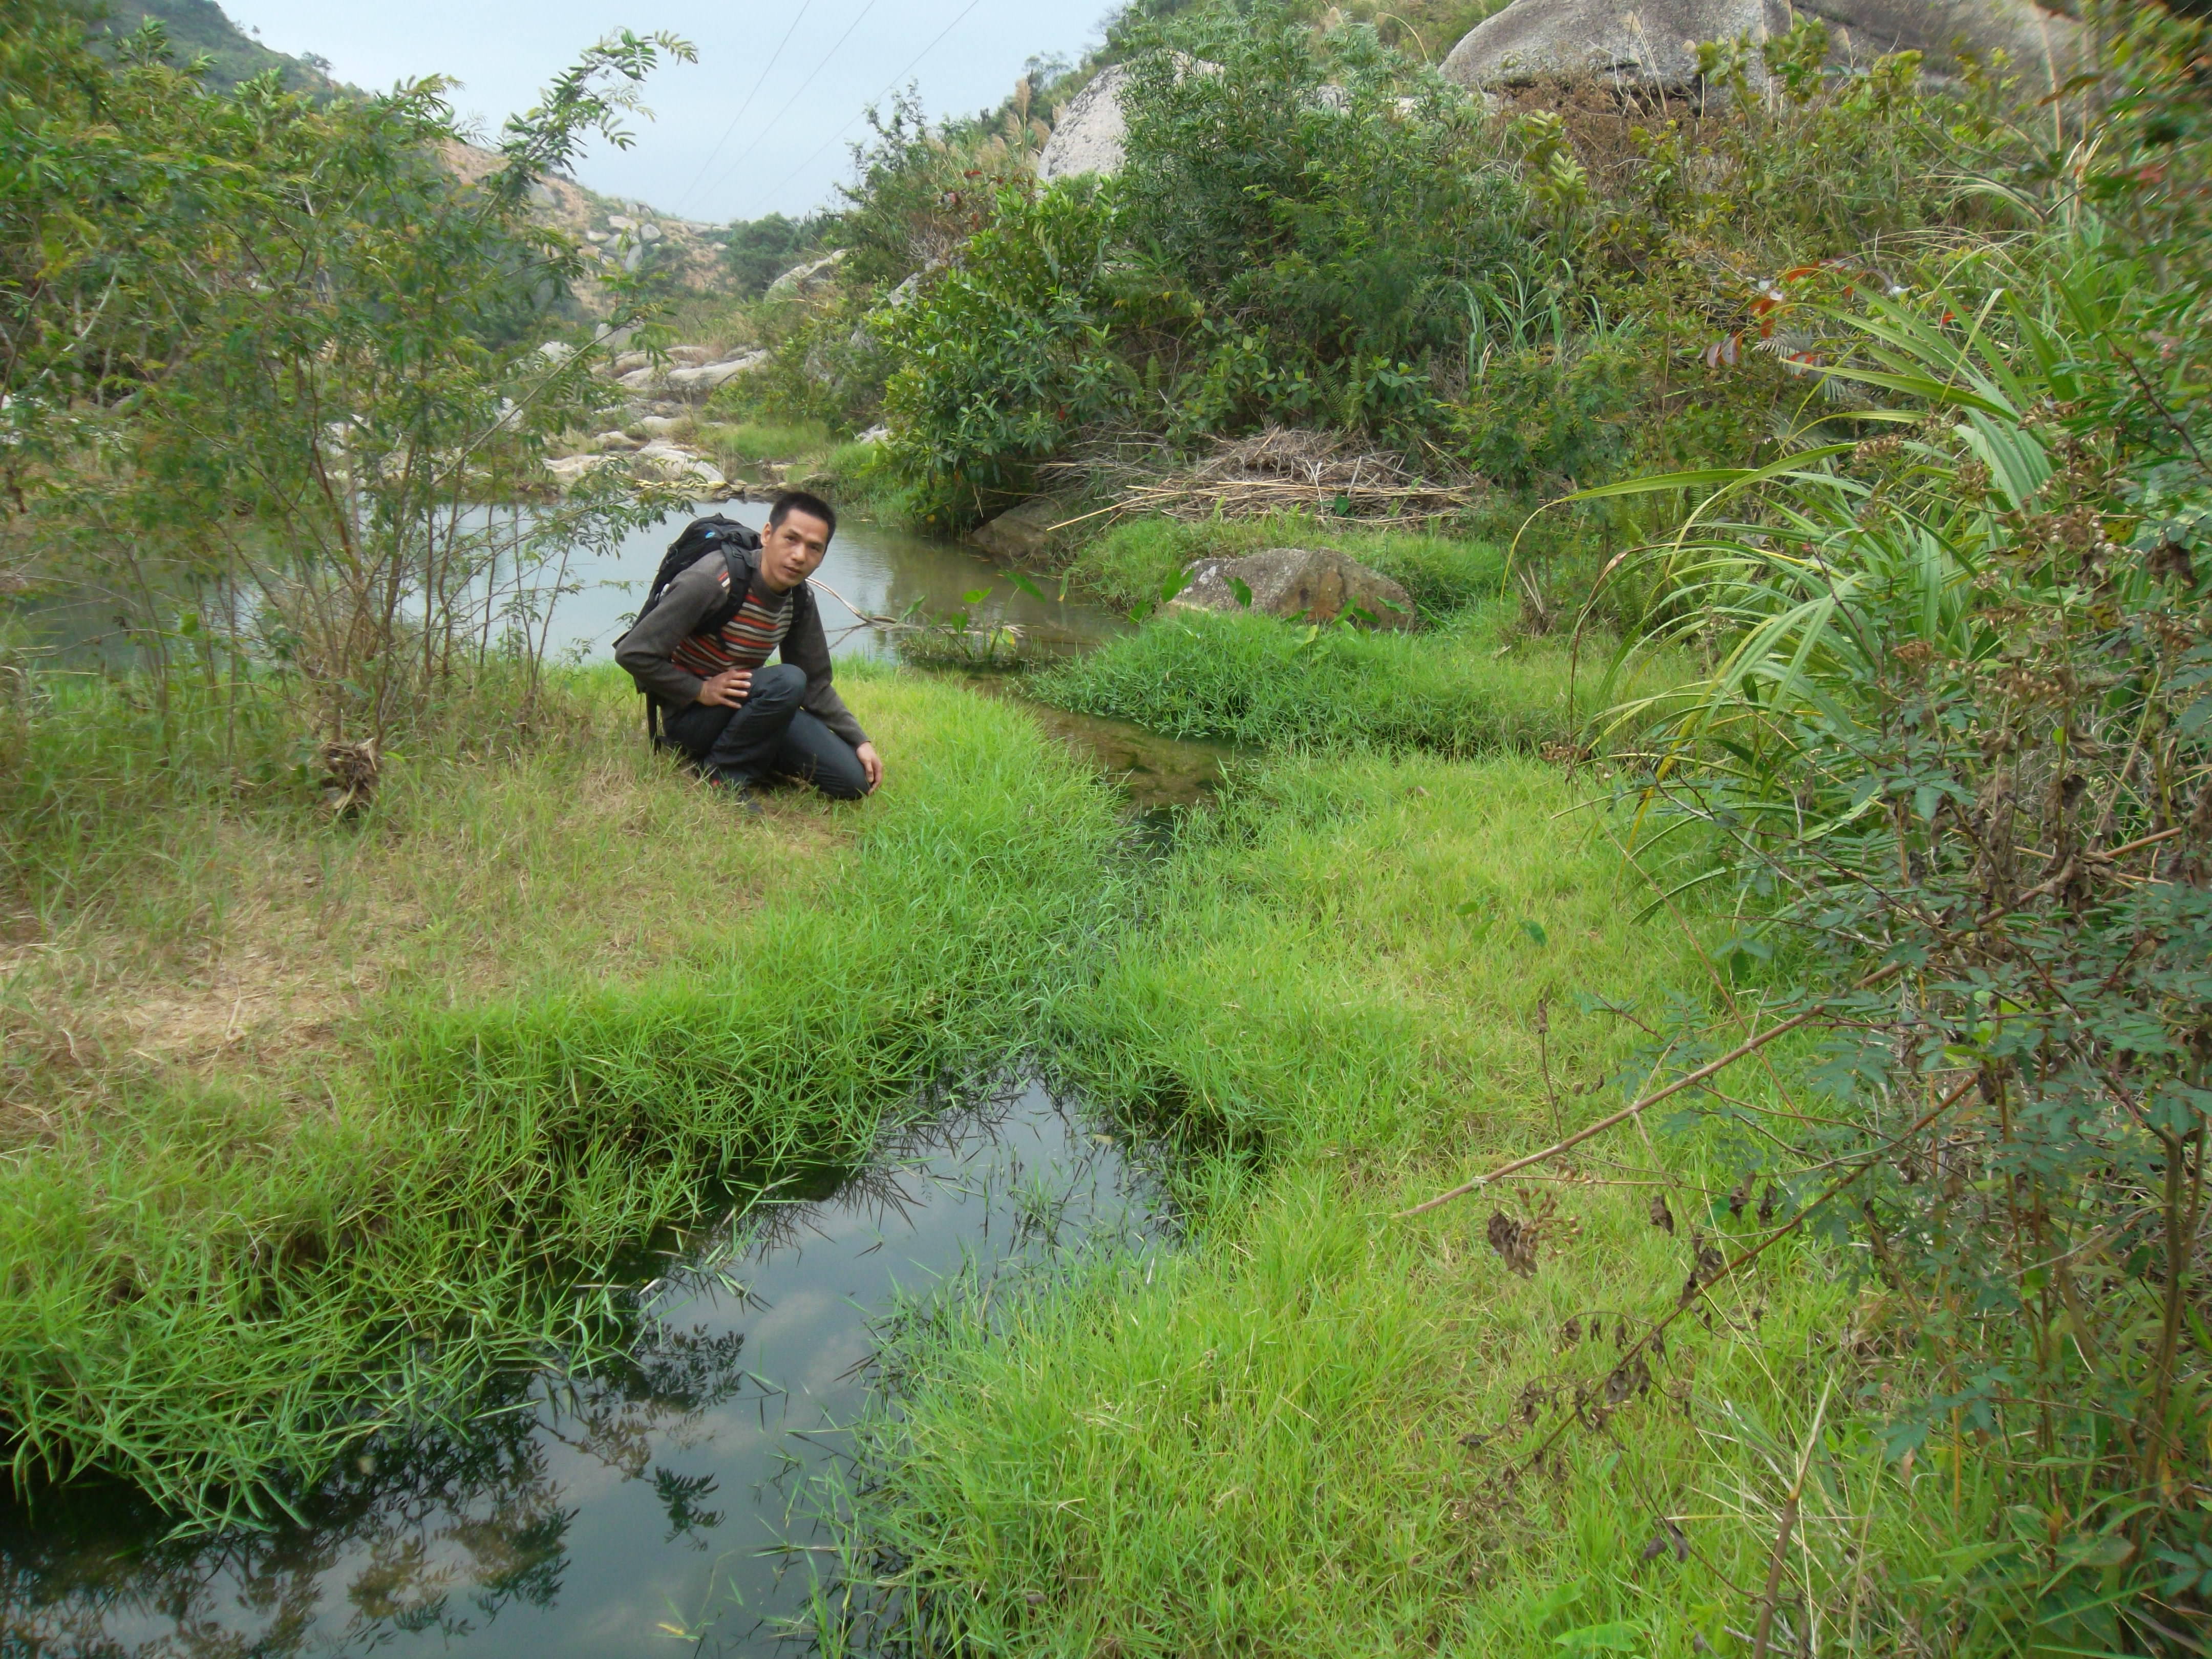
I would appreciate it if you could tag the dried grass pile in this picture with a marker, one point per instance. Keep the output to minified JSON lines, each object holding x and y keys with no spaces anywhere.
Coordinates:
{"x":1289,"y":469}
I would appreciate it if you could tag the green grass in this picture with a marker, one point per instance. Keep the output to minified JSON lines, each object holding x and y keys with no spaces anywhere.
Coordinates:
{"x":1126,"y":565}
{"x":1253,"y":680}
{"x":1294,"y":1436}
{"x":751,"y":442}
{"x":219,"y":1275}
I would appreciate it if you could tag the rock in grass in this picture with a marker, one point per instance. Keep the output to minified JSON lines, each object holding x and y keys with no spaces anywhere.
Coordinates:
{"x":1653,"y":43}
{"x":1022,"y":534}
{"x":1089,"y":133}
{"x":1307,"y":584}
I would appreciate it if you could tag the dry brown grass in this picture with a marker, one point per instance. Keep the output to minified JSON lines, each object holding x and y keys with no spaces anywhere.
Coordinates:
{"x":469,"y":879}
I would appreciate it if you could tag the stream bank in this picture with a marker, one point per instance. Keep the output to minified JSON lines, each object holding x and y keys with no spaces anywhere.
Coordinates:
{"x":690,"y":1490}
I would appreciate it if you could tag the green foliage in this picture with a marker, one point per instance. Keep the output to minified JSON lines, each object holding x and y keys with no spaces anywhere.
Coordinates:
{"x":1004,"y":357}
{"x":299,"y":345}
{"x":213,"y":1291}
{"x":1955,"y":744}
{"x":755,"y":252}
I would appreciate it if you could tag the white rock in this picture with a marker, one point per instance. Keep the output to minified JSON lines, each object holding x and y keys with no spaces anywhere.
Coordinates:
{"x":874,"y":434}
{"x":1653,"y":43}
{"x":812,"y":277}
{"x":1089,"y":133}
{"x":698,"y":381}
{"x":648,"y":231}
{"x":663,"y":462}
{"x":660,"y":426}
{"x":691,"y":355}
{"x":630,"y":361}
{"x":622,"y":221}
{"x":569,"y":470}
{"x":609,"y":443}
{"x":557,"y":351}
{"x":595,"y":236}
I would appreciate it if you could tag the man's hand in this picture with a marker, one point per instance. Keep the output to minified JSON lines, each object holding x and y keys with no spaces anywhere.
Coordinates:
{"x":726,"y":689}
{"x":871,"y":763}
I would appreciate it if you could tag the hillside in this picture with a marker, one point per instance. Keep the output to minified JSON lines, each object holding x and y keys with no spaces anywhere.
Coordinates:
{"x":200,"y":26}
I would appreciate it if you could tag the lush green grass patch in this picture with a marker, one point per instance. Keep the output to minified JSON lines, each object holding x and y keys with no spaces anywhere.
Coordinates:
{"x":216,"y":1286}
{"x":1127,"y":564}
{"x":1256,"y":681}
{"x":1375,"y":976}
{"x":748,"y":443}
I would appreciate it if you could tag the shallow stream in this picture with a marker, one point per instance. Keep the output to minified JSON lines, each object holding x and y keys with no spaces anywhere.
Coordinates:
{"x":676,"y":1504}
{"x":679,"y":1501}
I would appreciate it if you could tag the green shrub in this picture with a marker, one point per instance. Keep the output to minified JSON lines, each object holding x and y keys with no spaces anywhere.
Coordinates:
{"x":1254,"y":680}
{"x":1003,"y":357}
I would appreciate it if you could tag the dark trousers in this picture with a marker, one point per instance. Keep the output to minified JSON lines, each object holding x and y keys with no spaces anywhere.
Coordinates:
{"x":768,"y":734}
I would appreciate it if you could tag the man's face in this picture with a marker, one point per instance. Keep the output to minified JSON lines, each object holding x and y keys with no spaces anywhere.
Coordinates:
{"x":792,"y":550}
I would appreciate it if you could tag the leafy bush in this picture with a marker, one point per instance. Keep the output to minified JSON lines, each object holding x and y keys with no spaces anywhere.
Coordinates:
{"x":755,"y":252}
{"x":1320,"y":204}
{"x":1956,"y":745}
{"x":1006,"y":355}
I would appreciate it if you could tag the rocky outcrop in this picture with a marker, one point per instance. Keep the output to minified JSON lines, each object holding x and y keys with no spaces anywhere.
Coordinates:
{"x":1653,"y":43}
{"x":804,"y":282}
{"x":1023,"y":533}
{"x":660,"y":461}
{"x":1089,"y":134}
{"x":694,"y":382}
{"x":1304,"y":584}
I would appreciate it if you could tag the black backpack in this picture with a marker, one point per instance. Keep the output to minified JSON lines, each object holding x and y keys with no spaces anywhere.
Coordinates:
{"x":700,"y":537}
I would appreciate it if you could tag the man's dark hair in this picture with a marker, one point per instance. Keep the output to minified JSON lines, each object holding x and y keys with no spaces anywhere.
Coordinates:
{"x":798,"y":501}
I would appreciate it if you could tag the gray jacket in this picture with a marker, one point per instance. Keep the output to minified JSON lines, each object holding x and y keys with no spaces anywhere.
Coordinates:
{"x":645,"y":650}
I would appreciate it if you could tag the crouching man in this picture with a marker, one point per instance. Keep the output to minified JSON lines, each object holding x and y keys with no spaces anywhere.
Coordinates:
{"x":704,"y":662}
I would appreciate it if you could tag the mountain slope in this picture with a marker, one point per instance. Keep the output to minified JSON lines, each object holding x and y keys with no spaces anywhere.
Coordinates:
{"x":198,"y":27}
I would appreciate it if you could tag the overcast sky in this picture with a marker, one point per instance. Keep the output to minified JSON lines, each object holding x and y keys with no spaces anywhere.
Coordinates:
{"x":784,"y":149}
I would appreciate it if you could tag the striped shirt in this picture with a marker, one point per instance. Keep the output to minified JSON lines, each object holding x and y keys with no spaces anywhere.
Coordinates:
{"x":746,"y":640}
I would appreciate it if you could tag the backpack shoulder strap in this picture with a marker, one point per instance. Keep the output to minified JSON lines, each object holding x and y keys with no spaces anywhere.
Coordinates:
{"x":737,"y":555}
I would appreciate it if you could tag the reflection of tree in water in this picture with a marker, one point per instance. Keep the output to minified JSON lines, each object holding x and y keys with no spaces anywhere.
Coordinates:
{"x":440,"y":1531}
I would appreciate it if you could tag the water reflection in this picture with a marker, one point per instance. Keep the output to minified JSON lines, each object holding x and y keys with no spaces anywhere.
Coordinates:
{"x":871,"y":569}
{"x":675,"y":1493}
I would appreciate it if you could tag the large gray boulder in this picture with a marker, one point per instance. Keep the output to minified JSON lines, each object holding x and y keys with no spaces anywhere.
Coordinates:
{"x":1088,"y":135}
{"x":804,"y":282}
{"x":1653,"y":43}
{"x":1022,"y":534}
{"x":1303,"y":584}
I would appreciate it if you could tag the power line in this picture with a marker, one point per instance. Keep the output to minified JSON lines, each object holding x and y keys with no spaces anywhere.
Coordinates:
{"x":775,"y":58}
{"x":769,"y":126}
{"x":889,"y":88}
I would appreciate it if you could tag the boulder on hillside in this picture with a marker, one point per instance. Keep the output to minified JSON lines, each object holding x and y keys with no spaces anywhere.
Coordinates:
{"x":1022,"y":534}
{"x":1303,"y":584}
{"x":805,"y":281}
{"x":1087,"y":137}
{"x":1653,"y":43}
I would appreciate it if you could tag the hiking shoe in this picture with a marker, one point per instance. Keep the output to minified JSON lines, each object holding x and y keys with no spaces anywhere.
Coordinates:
{"x":739,"y":788}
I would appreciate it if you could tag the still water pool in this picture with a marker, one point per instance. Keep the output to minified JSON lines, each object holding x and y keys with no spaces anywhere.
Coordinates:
{"x":677,"y":1503}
